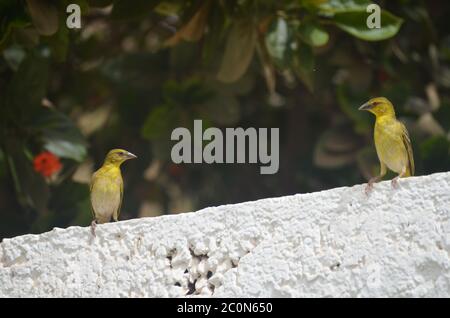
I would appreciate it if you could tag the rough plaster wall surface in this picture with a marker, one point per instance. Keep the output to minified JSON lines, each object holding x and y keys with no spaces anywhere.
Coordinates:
{"x":334,"y":243}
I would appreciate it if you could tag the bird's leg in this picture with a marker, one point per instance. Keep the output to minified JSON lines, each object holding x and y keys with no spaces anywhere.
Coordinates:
{"x":369,"y":185}
{"x":93,"y":226}
{"x":394,"y":181}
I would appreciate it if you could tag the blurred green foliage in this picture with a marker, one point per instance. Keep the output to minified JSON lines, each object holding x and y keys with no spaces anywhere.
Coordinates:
{"x":138,"y":69}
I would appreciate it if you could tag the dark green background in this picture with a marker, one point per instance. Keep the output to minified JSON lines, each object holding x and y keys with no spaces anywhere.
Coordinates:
{"x":138,"y":69}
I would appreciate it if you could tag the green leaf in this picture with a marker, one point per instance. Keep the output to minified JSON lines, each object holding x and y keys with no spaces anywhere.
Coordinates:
{"x":239,"y":51}
{"x":194,"y":28}
{"x":313,"y":35}
{"x":12,"y":16}
{"x":303,"y":64}
{"x":168,"y":8}
{"x":60,"y":135}
{"x":66,"y":149}
{"x":14,"y":55}
{"x":44,"y":15}
{"x":59,"y":43}
{"x":216,"y":25}
{"x":338,"y":6}
{"x":355,"y":23}
{"x":187,"y":93}
{"x":124,"y":10}
{"x":277,"y":41}
{"x":29,"y":84}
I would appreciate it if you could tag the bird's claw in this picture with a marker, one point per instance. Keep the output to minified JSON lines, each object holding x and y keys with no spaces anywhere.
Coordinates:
{"x":93,"y":226}
{"x":394,"y":183}
{"x":369,"y":188}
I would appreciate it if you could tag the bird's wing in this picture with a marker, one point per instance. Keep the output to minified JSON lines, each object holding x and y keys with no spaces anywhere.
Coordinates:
{"x":407,"y":143}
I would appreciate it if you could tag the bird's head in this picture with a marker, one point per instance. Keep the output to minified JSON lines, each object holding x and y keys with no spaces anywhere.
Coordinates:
{"x":118,"y":156}
{"x":379,"y":106}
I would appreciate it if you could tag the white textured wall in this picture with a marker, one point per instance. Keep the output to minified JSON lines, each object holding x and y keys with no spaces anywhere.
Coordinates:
{"x":332,"y":243}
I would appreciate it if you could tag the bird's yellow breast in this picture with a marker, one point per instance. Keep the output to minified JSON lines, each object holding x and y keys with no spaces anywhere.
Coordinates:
{"x":106,"y":192}
{"x":389,"y":145}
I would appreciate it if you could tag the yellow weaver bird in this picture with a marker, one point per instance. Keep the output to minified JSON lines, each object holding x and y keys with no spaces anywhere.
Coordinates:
{"x":392,"y":141}
{"x":107,"y":188}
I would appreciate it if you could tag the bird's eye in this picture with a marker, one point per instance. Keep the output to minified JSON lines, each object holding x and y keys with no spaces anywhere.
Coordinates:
{"x":375,"y":103}
{"x":121,"y":153}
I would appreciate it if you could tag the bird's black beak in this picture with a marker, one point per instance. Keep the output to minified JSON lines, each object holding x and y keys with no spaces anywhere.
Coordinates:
{"x":365,"y":106}
{"x":131,"y":156}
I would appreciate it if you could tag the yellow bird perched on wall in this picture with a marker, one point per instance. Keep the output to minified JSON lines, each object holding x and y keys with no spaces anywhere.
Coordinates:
{"x":392,"y":141}
{"x":107,"y":188}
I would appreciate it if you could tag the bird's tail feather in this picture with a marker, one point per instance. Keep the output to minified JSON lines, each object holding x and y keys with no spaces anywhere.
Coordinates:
{"x":408,"y":172}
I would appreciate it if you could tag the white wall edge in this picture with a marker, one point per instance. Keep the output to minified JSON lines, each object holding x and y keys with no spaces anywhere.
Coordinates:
{"x":333,"y":243}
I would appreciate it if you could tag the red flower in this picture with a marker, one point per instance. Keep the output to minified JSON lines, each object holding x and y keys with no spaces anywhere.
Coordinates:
{"x":47,"y":164}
